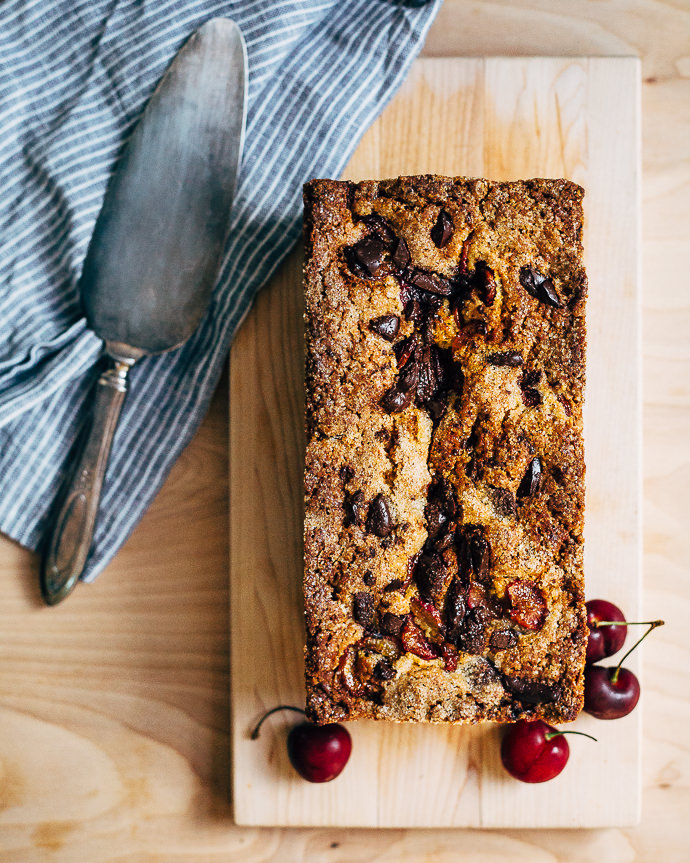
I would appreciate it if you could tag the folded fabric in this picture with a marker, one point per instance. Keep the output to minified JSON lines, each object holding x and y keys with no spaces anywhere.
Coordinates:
{"x":75,"y":76}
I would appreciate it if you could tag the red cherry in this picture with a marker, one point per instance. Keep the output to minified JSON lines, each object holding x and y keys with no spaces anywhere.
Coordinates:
{"x":614,"y":692}
{"x":533,"y":751}
{"x":610,"y":692}
{"x":319,"y":752}
{"x":604,"y":641}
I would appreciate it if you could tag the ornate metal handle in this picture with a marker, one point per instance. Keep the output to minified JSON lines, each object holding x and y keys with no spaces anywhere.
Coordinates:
{"x":68,"y":544}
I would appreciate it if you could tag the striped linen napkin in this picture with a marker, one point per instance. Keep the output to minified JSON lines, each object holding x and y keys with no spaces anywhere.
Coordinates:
{"x":75,"y":76}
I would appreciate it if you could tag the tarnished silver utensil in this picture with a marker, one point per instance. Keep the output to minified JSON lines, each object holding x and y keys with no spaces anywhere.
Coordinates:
{"x":153,"y":258}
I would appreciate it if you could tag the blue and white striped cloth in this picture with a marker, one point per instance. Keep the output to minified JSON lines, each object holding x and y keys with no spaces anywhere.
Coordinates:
{"x":74,"y":78}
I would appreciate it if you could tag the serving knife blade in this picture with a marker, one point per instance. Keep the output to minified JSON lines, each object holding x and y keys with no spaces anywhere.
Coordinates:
{"x":153,"y":257}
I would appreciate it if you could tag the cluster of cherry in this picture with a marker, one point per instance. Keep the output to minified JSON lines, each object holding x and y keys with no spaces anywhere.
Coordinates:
{"x":531,"y":750}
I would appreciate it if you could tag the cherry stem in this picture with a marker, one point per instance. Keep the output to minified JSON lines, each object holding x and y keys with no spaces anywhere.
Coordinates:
{"x":255,"y":733}
{"x":551,"y":734}
{"x":627,"y":623}
{"x":652,"y":625}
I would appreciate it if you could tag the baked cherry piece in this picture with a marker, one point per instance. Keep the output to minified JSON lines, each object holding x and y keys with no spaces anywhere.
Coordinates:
{"x":604,"y":638}
{"x":317,"y":752}
{"x":611,"y":693}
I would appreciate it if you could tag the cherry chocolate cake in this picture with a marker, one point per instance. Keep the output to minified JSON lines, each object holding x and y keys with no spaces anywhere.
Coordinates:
{"x":444,"y":479}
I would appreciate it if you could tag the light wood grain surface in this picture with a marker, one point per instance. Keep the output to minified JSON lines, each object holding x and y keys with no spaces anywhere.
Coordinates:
{"x":114,"y":727}
{"x":500,"y":118}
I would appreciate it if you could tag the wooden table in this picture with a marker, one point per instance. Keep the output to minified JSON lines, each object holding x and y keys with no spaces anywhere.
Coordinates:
{"x":114,"y":707}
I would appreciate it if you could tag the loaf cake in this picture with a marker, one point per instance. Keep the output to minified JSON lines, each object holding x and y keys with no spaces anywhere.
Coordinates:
{"x":444,"y":476}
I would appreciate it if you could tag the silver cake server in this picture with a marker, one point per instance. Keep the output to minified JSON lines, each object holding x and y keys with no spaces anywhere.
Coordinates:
{"x":153,"y":258}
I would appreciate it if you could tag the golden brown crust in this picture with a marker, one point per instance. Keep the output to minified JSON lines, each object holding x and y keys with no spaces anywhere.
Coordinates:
{"x":444,"y":480}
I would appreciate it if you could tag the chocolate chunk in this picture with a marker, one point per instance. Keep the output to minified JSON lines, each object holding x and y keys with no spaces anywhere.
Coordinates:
{"x":442,"y":542}
{"x":368,"y":578}
{"x":454,"y":378}
{"x":455,"y":608}
{"x":441,"y":491}
{"x":436,"y":519}
{"x":412,"y":564}
{"x":364,"y":609}
{"x":530,"y":378}
{"x":354,"y":508}
{"x":401,"y":394}
{"x":532,"y":691}
{"x":464,"y":555}
{"x":391,"y":624}
{"x":395,"y":584}
{"x":463,"y":285}
{"x":346,"y":473}
{"x":386,"y":326}
{"x":481,"y":554}
{"x":413,"y":311}
{"x":379,"y":519}
{"x":529,"y":485}
{"x":485,"y":282}
{"x":430,"y":575}
{"x":351,"y":199}
{"x":503,"y":501}
{"x":531,"y":397}
{"x":433,"y":283}
{"x":366,"y":257}
{"x":503,"y":639}
{"x":463,"y":254}
{"x":540,"y":287}
{"x":381,"y":227}
{"x":401,"y":254}
{"x":441,"y":360}
{"x":473,"y":636}
{"x":474,"y":552}
{"x":442,"y":230}
{"x":480,"y":613}
{"x":428,"y":379}
{"x":505,"y":358}
{"x":383,"y":670}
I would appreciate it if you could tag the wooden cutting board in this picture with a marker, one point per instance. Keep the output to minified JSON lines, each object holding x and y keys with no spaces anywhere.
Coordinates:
{"x":501,"y":118}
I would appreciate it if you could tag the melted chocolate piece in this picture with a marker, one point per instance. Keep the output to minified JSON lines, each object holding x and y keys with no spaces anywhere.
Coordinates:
{"x":532,"y":691}
{"x":540,"y":287}
{"x":387,"y":326}
{"x":442,"y":231}
{"x":379,"y":519}
{"x":364,"y":610}
{"x":531,"y":480}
